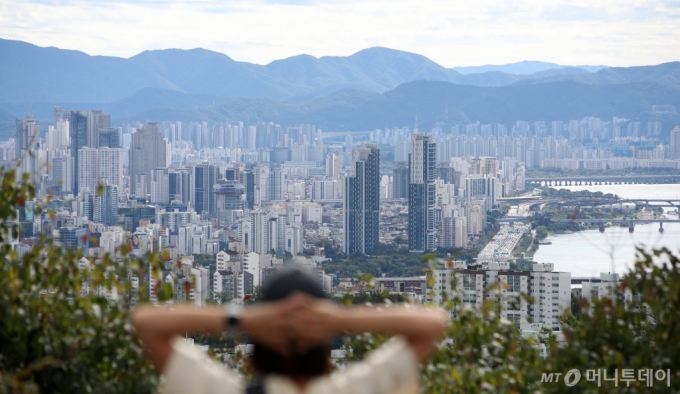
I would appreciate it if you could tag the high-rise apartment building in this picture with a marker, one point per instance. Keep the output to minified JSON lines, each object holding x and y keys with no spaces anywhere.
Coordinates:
{"x":62,"y":173}
{"x":361,"y":208}
{"x":421,"y":197}
{"x":550,"y":290}
{"x":453,"y":232}
{"x":205,"y":177}
{"x":249,"y":183}
{"x":275,"y":184}
{"x":110,"y":166}
{"x":103,"y":208}
{"x":400,"y":181}
{"x":27,"y":133}
{"x":160,"y":186}
{"x":333,"y":164}
{"x":675,"y":143}
{"x":110,"y":137}
{"x":147,"y":153}
{"x":84,"y":129}
{"x":261,"y":177}
{"x":260,"y":235}
{"x":87,"y":168}
{"x":179,"y":185}
{"x":58,"y":136}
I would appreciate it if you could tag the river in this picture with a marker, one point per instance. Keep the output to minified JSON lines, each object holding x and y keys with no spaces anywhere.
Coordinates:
{"x":588,"y":253}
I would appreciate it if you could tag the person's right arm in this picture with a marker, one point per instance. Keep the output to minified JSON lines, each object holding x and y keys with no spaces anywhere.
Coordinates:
{"x":421,"y":327}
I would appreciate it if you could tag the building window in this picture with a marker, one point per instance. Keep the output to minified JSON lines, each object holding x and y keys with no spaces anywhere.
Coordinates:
{"x":513,"y":303}
{"x":469,"y":282}
{"x":514,"y":282}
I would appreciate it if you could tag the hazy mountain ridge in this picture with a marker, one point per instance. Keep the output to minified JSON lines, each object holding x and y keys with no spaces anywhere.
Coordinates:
{"x":57,"y":76}
{"x":665,"y":73}
{"x":525,"y":67}
{"x":371,"y":88}
{"x":429,"y":100}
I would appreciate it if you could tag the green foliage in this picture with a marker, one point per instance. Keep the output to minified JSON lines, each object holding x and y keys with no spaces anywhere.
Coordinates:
{"x":392,"y":264}
{"x":63,"y":330}
{"x":483,"y":353}
{"x":541,"y":232}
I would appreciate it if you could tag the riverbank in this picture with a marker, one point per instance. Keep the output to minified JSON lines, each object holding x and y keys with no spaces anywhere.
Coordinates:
{"x":585,"y":251}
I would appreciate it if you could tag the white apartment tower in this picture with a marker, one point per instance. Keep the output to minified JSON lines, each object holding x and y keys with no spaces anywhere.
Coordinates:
{"x":333,"y":164}
{"x":111,"y":166}
{"x":147,"y":152}
{"x":88,"y":164}
{"x":550,"y":290}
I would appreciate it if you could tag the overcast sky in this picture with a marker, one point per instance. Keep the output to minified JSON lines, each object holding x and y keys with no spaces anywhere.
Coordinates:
{"x":452,"y":33}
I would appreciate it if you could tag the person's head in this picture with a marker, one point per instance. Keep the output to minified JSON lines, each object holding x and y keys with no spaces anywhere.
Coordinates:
{"x":315,"y":361}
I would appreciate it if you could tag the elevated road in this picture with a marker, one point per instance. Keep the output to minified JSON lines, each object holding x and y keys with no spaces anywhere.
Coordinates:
{"x":509,"y":219}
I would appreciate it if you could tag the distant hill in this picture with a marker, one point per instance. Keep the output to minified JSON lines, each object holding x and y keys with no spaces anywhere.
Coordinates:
{"x":666,"y":73}
{"x":359,"y":110}
{"x":333,"y":90}
{"x":54,"y":75}
{"x":6,"y":116}
{"x":521,"y":68}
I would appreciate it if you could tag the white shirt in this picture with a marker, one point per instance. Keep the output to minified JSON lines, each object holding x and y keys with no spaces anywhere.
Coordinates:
{"x":390,"y":369}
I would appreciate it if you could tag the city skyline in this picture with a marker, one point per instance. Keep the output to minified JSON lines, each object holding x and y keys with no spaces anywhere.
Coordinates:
{"x":632,"y":33}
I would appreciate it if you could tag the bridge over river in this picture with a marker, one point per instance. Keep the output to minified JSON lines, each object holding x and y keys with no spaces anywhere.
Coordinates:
{"x":602,"y":180}
{"x":630,"y":223}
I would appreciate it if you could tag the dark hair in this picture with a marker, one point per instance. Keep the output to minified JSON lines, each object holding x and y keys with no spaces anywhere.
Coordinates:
{"x":314,"y":362}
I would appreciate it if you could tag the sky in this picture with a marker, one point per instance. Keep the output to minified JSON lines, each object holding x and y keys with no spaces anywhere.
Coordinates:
{"x":452,"y":33}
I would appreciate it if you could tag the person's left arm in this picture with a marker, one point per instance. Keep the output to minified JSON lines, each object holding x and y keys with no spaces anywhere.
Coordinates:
{"x":158,"y":327}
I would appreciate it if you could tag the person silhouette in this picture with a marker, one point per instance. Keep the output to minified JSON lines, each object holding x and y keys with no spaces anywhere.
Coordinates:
{"x":291,"y":329}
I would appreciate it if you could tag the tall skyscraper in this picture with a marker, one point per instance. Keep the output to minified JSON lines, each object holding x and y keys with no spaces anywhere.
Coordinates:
{"x":62,"y":173}
{"x":58,"y":136}
{"x":261,"y":174}
{"x":421,"y":197}
{"x":275,"y":184}
{"x":333,"y":164}
{"x":362,"y":201}
{"x":83,"y":132}
{"x":160,"y":187}
{"x":400,"y":181}
{"x":179,"y":185}
{"x":147,"y":153}
{"x":675,"y":143}
{"x":249,"y":182}
{"x":27,"y":133}
{"x":110,"y":137}
{"x":87,"y":175}
{"x":205,"y":177}
{"x":104,"y":207}
{"x":110,"y":166}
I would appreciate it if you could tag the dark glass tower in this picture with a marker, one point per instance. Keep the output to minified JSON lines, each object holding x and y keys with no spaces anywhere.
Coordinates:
{"x":84,"y":129}
{"x":249,"y":181}
{"x":362,"y":201}
{"x":205,"y":177}
{"x":421,"y":194}
{"x":179,"y":184}
{"x":400,"y":181}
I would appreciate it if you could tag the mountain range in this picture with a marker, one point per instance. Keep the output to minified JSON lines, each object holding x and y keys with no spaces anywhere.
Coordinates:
{"x":436,"y":102}
{"x":371,"y":88}
{"x":522,"y":68}
{"x":53,"y":74}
